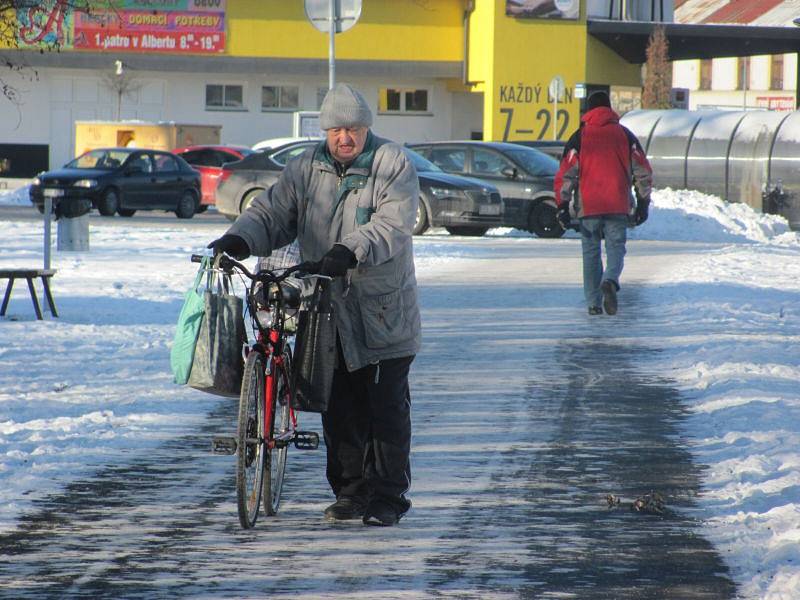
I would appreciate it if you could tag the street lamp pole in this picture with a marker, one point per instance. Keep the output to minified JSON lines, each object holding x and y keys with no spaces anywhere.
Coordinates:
{"x":332,"y":44}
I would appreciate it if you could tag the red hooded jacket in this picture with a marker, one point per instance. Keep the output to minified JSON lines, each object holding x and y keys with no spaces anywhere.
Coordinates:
{"x":599,"y":164}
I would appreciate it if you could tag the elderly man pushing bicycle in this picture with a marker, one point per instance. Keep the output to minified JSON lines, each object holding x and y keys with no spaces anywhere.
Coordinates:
{"x":351,"y":204}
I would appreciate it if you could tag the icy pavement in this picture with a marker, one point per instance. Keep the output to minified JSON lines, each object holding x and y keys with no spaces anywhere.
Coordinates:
{"x":527,"y":414}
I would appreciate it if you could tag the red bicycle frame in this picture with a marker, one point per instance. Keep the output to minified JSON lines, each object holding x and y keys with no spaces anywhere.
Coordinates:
{"x":274,"y":361}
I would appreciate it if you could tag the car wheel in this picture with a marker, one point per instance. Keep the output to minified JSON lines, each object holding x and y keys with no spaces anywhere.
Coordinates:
{"x":126,"y":212}
{"x":421,"y":222}
{"x":186,"y":206}
{"x":543,"y":220}
{"x":109,"y":203}
{"x":467,"y":230}
{"x":248,"y":199}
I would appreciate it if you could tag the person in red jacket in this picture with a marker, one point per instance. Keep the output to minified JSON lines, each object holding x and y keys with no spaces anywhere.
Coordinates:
{"x":600,"y":163}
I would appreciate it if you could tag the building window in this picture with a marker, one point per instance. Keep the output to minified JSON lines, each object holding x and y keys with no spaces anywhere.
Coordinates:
{"x":743,"y":79}
{"x":705,"y":74}
{"x":277,"y":97}
{"x":416,"y":100}
{"x":391,"y":100}
{"x":224,"y":97}
{"x":397,"y":100}
{"x":776,"y":72}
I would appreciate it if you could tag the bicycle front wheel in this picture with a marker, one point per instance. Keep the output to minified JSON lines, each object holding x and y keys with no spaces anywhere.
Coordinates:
{"x":276,"y":456}
{"x":250,"y":446}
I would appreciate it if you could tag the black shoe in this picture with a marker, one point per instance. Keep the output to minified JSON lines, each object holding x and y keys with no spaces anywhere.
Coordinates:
{"x":595,"y":310}
{"x":609,"y":296}
{"x":346,"y":508}
{"x":381,"y":514}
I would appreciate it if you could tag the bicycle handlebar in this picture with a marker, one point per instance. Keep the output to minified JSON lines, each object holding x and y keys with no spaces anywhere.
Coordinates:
{"x":228,"y":264}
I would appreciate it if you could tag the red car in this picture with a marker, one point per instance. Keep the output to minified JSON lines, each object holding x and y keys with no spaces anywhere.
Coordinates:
{"x":208,"y":160}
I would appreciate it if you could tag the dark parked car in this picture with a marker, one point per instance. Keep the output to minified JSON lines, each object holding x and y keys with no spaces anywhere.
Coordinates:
{"x":123,"y":180}
{"x":524,"y":176}
{"x":241,"y":181}
{"x":208,"y":160}
{"x":462,"y":205}
{"x":550,"y":147}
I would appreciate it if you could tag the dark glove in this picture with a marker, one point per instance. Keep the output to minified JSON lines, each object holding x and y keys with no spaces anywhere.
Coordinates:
{"x":336,"y":261}
{"x":642,"y":210}
{"x":232,"y":245}
{"x":564,"y":217}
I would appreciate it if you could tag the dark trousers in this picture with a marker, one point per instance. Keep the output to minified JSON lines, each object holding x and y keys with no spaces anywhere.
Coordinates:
{"x":367,"y":430}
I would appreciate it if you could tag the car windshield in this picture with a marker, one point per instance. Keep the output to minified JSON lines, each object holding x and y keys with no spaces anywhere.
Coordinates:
{"x":99,"y":159}
{"x":535,"y":162}
{"x":421,"y":164}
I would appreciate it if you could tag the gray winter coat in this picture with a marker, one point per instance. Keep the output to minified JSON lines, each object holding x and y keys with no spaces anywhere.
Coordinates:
{"x":371,"y":210}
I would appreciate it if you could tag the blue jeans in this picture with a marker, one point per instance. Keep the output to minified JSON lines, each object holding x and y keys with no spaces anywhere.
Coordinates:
{"x":593,"y":229}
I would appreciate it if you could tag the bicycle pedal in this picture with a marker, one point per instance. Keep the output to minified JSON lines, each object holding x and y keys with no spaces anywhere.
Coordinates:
{"x":223,"y":444}
{"x":306,"y":440}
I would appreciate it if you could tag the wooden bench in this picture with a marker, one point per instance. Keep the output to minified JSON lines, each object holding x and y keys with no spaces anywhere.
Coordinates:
{"x":29,"y":275}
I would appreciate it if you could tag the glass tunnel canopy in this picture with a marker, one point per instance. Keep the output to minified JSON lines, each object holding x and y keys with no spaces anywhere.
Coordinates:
{"x":736,"y":155}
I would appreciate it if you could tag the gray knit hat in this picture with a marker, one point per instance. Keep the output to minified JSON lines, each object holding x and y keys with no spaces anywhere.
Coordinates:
{"x":344,"y":106}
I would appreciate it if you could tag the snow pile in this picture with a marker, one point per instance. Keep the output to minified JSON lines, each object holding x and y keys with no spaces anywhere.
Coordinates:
{"x":689,"y":216}
{"x":18,"y":197}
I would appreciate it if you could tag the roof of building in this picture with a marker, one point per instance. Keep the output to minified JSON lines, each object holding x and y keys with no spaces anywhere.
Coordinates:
{"x":741,"y":12}
{"x":629,"y":39}
{"x":722,"y":11}
{"x":709,"y":29}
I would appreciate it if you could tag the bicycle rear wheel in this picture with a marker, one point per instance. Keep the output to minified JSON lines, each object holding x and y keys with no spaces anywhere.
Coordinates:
{"x":276,"y":456}
{"x":250,"y":447}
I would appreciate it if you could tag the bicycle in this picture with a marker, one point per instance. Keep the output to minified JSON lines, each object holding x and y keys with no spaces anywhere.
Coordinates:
{"x":267,"y":422}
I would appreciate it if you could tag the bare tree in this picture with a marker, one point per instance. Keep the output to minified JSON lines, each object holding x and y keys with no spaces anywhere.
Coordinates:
{"x":122,"y":83}
{"x":658,"y":71}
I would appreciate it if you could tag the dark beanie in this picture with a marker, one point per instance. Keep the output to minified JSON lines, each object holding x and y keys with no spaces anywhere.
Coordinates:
{"x":597,"y":99}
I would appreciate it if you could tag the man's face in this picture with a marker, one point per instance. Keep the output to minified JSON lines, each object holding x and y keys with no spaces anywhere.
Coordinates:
{"x":346,"y":143}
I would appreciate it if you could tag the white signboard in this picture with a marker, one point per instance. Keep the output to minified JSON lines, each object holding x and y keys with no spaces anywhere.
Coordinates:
{"x":306,"y":124}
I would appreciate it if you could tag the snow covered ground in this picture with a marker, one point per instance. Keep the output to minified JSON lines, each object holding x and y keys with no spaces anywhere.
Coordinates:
{"x":92,"y":387}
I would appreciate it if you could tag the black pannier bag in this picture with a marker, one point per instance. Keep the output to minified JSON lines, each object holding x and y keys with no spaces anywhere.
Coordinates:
{"x":315,"y":350}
